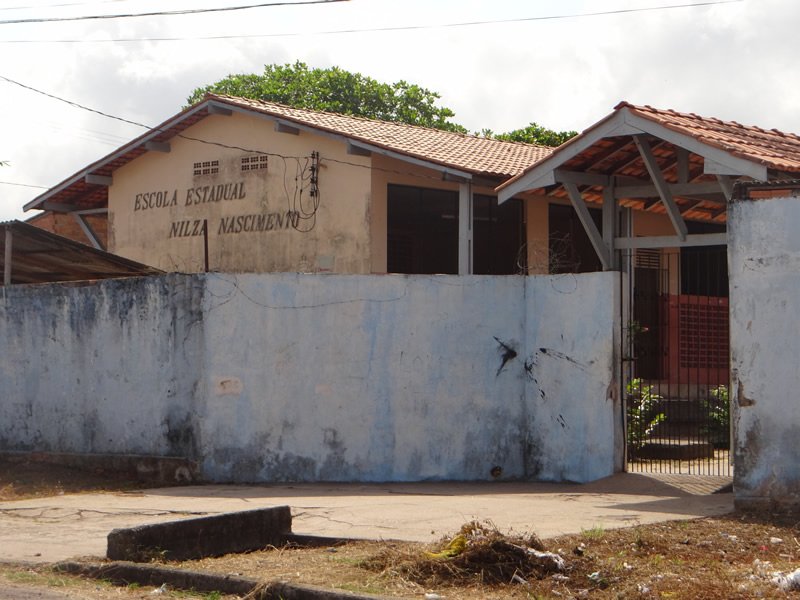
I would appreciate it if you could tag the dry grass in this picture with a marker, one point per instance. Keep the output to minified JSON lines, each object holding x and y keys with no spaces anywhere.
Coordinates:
{"x":726,"y":558}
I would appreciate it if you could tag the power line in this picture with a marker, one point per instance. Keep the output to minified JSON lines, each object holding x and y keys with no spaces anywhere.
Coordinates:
{"x":61,"y":5}
{"x":202,"y":141}
{"x":42,"y":187}
{"x":163,"y":13}
{"x":377,"y":29}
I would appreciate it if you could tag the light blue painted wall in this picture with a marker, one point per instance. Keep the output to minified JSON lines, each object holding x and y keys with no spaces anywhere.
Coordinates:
{"x":287,"y":377}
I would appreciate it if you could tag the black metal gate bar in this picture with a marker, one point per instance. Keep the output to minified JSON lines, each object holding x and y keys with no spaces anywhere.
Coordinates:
{"x":676,"y":365}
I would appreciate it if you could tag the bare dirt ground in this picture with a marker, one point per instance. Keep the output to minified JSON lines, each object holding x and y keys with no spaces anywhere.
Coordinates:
{"x":731,"y":557}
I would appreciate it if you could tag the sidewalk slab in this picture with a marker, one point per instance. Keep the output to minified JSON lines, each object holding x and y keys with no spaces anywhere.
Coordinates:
{"x":62,"y":527}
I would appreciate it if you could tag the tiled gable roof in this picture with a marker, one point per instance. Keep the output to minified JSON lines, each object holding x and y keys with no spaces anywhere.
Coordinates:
{"x":475,"y":155}
{"x":775,"y":149}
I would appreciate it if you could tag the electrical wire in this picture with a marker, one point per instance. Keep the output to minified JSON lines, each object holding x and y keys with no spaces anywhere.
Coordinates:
{"x":375,"y":29}
{"x":167,"y":13}
{"x":61,"y":5}
{"x":42,"y":187}
{"x":209,"y":142}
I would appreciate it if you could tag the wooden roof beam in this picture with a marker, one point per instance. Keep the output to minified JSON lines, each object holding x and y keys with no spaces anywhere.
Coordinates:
{"x":676,"y":189}
{"x":94,"y":179}
{"x":155,"y":146}
{"x":682,"y":159}
{"x":581,"y":178}
{"x":661,"y":185}
{"x":689,"y":206}
{"x":613,"y":151}
{"x":585,"y":218}
{"x":87,"y":230}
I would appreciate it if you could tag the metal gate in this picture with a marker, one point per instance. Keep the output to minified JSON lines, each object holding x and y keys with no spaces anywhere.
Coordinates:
{"x":676,"y":361}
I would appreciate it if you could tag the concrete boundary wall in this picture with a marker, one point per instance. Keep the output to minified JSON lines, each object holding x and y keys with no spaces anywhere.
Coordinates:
{"x":287,"y":377}
{"x":764,"y":262}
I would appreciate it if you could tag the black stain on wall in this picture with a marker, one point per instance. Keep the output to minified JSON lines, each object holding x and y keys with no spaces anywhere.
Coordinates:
{"x":180,"y":435}
{"x":562,"y":356}
{"x":335,"y":465}
{"x":530,"y":365}
{"x":507,"y":353}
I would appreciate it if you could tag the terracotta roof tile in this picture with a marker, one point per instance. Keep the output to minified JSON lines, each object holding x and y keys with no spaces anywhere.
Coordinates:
{"x":476,"y":155}
{"x":773,"y":148}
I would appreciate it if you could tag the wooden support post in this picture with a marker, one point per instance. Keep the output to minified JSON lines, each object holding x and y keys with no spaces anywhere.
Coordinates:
{"x":7,"y":257}
{"x":682,"y":155}
{"x":464,"y":229}
{"x":610,"y":220}
{"x":661,"y":185}
{"x":588,"y":224}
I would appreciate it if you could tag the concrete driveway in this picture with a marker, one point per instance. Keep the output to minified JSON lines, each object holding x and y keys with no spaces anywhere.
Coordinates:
{"x":61,"y":527}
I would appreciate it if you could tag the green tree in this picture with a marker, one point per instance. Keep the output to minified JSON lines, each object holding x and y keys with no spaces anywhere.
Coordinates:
{"x":536,"y":134}
{"x":339,"y":91}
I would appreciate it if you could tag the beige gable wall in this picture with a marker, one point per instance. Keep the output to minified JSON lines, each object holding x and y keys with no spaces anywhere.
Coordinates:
{"x":157,"y":205}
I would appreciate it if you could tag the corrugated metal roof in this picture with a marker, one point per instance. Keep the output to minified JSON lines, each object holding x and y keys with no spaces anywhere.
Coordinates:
{"x":38,"y":256}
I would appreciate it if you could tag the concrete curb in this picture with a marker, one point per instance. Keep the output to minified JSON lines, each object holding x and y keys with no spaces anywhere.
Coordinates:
{"x":123,"y":573}
{"x":186,"y":539}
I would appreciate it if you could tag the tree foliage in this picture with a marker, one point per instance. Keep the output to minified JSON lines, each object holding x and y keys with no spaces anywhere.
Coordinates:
{"x":339,"y":91}
{"x":536,"y":134}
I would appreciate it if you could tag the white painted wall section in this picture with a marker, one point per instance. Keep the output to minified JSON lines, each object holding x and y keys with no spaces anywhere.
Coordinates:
{"x":764,"y":263}
{"x":287,"y":377}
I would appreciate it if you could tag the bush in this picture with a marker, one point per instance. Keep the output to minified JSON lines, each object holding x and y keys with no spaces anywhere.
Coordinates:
{"x":718,"y":408}
{"x":643,"y":414}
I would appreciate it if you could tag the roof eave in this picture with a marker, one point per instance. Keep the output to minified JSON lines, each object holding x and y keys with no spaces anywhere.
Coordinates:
{"x":626,"y":120}
{"x":357,"y":141}
{"x":119,"y":152}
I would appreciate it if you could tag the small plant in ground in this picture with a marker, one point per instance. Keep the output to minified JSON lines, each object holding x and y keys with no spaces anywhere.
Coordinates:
{"x":643,"y":414}
{"x":718,"y":408}
{"x":594,"y":533}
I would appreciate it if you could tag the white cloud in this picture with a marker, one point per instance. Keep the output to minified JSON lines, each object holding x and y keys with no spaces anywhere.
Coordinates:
{"x":735,"y":61}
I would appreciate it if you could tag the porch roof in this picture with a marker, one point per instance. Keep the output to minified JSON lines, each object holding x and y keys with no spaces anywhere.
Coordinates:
{"x":697,"y":159}
{"x":38,"y":256}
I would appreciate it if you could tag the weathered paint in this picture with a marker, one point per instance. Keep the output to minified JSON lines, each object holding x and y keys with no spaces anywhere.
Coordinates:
{"x":157,"y":204}
{"x":103,"y":368}
{"x":764,"y":266}
{"x":290,"y":377}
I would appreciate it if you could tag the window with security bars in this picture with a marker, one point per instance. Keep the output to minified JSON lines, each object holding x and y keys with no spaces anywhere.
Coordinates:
{"x":206,"y":167}
{"x":254,"y":163}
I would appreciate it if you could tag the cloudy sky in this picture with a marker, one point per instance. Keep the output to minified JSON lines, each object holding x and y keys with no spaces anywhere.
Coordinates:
{"x":734,"y":60}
